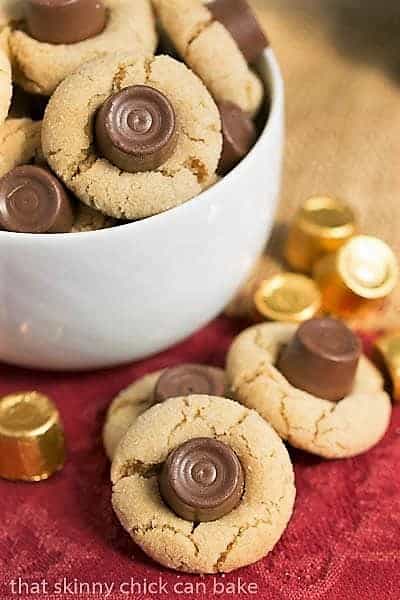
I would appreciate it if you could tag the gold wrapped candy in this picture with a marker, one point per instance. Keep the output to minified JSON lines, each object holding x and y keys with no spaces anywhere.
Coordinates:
{"x":288,"y":297}
{"x":321,"y":226}
{"x":387,"y":350}
{"x":358,"y":277}
{"x":31,"y":437}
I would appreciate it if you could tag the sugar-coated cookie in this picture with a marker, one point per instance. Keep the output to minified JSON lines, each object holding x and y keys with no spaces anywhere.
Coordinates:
{"x":326,"y":428}
{"x":210,"y":50}
{"x":19,"y":143}
{"x":70,"y":140}
{"x":39,"y":67}
{"x":125,"y":409}
{"x":240,"y":537}
{"x":138,"y":397}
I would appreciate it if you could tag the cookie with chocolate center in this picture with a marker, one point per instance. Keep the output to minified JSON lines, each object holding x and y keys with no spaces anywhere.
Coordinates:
{"x":202,"y":484}
{"x":133,"y":136}
{"x":20,"y":146}
{"x":312,"y":384}
{"x":217,"y":41}
{"x":55,"y":37}
{"x":154,"y":388}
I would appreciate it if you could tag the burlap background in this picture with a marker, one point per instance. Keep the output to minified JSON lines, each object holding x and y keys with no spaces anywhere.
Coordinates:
{"x":341,"y":63}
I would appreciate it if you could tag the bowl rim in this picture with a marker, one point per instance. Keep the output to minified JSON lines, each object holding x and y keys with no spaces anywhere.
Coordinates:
{"x":273,"y":77}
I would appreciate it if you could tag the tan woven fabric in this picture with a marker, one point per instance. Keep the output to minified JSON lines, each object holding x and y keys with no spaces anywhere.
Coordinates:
{"x":340,"y":60}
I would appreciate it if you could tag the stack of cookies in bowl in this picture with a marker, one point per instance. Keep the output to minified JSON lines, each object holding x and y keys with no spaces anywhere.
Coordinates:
{"x":152,"y":131}
{"x":125,"y":131}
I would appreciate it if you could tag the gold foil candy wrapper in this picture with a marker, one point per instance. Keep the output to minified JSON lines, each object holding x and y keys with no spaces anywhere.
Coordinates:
{"x":358,"y":278}
{"x":31,"y":437}
{"x":288,"y":297}
{"x":321,"y":226}
{"x":387,"y":355}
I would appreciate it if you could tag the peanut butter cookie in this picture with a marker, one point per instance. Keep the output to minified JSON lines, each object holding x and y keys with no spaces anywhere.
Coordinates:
{"x":90,"y":219}
{"x":148,"y":390}
{"x":210,"y":49}
{"x":39,"y":66}
{"x":19,"y":143}
{"x":133,"y":137}
{"x":202,"y":484}
{"x":336,"y":428}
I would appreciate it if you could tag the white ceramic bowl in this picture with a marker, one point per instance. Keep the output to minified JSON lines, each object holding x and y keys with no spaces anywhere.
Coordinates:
{"x":97,"y":299}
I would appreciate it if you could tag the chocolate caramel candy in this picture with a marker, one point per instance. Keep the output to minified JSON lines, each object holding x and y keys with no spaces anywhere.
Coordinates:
{"x":202,"y":480}
{"x":322,"y":359}
{"x":65,"y":21}
{"x":358,"y":278}
{"x":32,"y":446}
{"x":136,"y":129}
{"x":288,"y":297}
{"x":32,"y":200}
{"x":189,"y":379}
{"x":242,"y":24}
{"x":321,"y":226}
{"x":239,"y":135}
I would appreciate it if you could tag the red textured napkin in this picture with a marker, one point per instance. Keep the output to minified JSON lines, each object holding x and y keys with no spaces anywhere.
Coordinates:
{"x":61,"y":539}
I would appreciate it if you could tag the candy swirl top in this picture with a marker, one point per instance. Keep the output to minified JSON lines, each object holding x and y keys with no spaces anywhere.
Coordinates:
{"x":32,"y":200}
{"x":136,"y":129}
{"x":189,"y":379}
{"x":202,"y":480}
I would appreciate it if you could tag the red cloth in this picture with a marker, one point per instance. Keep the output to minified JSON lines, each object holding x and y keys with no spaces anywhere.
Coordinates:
{"x":342,"y":543}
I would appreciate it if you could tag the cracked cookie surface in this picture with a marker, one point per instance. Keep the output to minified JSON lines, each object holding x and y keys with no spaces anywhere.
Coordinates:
{"x":40,"y":67}
{"x":241,"y":537}
{"x":126,"y":407}
{"x":69,"y":147}
{"x":329,"y":429}
{"x":210,"y":50}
